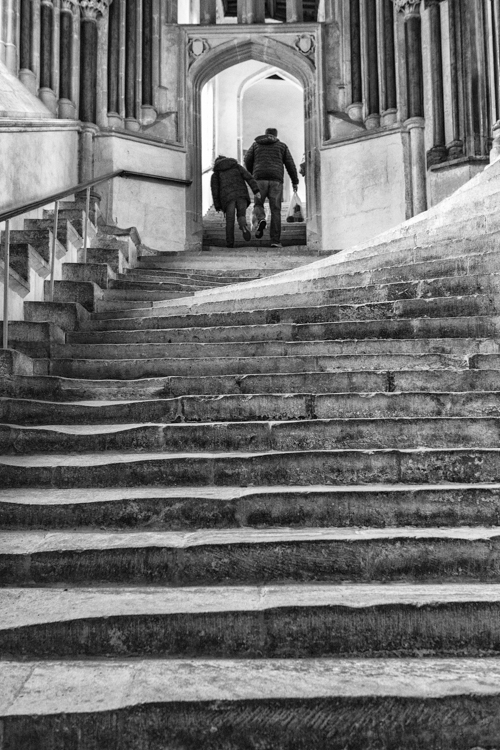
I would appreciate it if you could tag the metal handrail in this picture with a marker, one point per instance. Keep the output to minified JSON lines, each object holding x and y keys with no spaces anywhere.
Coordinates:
{"x":55,"y":198}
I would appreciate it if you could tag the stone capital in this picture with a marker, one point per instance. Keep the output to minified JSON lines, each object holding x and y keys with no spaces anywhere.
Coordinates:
{"x":410,"y":8}
{"x":93,"y":9}
{"x":69,"y":5}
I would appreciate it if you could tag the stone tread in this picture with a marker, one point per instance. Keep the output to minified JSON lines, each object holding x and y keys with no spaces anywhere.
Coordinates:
{"x":21,"y":607}
{"x":93,"y":686}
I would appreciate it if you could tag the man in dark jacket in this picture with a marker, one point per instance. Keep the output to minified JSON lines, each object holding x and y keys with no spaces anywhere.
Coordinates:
{"x":230,"y":194}
{"x":265,"y":160}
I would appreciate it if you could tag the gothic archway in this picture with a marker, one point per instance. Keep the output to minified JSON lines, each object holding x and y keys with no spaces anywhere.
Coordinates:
{"x":268,"y":50}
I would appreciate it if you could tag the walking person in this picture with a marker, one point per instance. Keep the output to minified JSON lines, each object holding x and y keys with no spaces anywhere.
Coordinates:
{"x":267,"y":159}
{"x":230,"y":194}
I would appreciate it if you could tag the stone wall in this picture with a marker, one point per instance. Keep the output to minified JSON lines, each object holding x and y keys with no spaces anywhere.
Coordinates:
{"x":363,"y":188}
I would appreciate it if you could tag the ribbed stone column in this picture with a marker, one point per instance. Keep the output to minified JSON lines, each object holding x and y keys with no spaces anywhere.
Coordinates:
{"x":251,"y":11}
{"x":67,"y":109}
{"x":414,"y":82}
{"x":131,"y":120}
{"x":114,"y":118}
{"x":355,"y":109}
{"x":26,"y":74}
{"x":373,"y":97}
{"x":390,"y":106}
{"x":208,"y":12}
{"x":438,"y":152}
{"x":46,"y":92}
{"x":91,"y":10}
{"x":456,"y":147}
{"x":294,"y":11}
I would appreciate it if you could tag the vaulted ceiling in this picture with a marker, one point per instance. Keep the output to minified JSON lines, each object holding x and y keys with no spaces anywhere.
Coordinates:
{"x":276,"y":9}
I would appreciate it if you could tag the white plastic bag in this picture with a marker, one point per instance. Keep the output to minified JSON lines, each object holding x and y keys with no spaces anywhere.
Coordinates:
{"x":295,"y":212}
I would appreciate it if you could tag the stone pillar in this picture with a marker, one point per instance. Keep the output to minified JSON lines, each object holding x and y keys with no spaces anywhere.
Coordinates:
{"x":131,"y":121}
{"x":8,"y":34}
{"x":67,"y":109}
{"x":415,"y":123}
{"x":171,"y":11}
{"x":355,"y":109}
{"x":456,"y":147}
{"x":36,"y":12}
{"x":46,"y":92}
{"x":91,"y":10}
{"x":373,"y":96}
{"x":114,"y":119}
{"x":438,"y":152}
{"x":390,"y":105}
{"x":208,"y":12}
{"x":294,"y":11}
{"x":251,"y":11}
{"x":148,"y":112}
{"x":26,"y":74}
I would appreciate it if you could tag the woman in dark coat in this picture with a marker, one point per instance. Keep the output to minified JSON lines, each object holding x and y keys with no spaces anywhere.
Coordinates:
{"x":230,"y":194}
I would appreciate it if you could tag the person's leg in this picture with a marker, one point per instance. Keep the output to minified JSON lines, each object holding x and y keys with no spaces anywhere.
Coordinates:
{"x":275,"y":198}
{"x":241,"y":210}
{"x":230,"y":212}
{"x":259,"y":213}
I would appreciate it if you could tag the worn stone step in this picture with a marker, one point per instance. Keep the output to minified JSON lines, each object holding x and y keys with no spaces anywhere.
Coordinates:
{"x":133,"y":285}
{"x":152,"y":280}
{"x":136,"y":295}
{"x":107,"y":307}
{"x":290,"y":435}
{"x":250,"y":556}
{"x":115,"y":258}
{"x":191,"y":508}
{"x":210,"y":276}
{"x":278,"y":334}
{"x":233,"y":704}
{"x":240,"y":407}
{"x":485,"y":362}
{"x":35,"y":339}
{"x":66,"y":232}
{"x":98,"y":273}
{"x":85,"y":293}
{"x":333,"y":467}
{"x":65,"y":389}
{"x":144,"y":367}
{"x":40,"y":240}
{"x":289,"y":621}
{"x":69,"y":316}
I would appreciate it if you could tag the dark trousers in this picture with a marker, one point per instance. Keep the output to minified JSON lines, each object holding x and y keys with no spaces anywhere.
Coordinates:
{"x":239,"y":206}
{"x":273,"y":190}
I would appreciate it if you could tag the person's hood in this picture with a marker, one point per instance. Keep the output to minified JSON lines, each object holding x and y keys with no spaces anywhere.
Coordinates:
{"x":224,"y":162}
{"x":266,"y":140}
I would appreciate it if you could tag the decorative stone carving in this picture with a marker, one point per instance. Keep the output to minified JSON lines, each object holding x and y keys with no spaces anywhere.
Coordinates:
{"x":306,"y":44}
{"x":197,"y":47}
{"x":411,"y":8}
{"x":70,"y":5}
{"x":92,"y":9}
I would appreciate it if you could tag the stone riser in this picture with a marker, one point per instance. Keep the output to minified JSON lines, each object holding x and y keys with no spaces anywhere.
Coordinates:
{"x":150,"y":368}
{"x":161,"y":286}
{"x":302,"y":435}
{"x":296,"y":468}
{"x":150,"y":510}
{"x":406,"y":327}
{"x":142,"y":295}
{"x":401,"y":559}
{"x":66,"y":389}
{"x":449,"y":723}
{"x":141,"y":272}
{"x":233,"y":408}
{"x":469,"y":629}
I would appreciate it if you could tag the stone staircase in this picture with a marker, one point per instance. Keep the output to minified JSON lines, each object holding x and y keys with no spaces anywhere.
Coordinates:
{"x":264,"y":515}
{"x":214,"y":230}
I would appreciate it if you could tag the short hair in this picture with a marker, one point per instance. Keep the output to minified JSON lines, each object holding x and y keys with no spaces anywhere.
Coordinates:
{"x":271,"y":131}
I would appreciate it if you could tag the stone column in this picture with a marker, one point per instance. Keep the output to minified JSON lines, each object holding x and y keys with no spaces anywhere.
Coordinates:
{"x":390,"y":105}
{"x":8,"y":34}
{"x":67,"y":109}
{"x":114,"y":119}
{"x":438,"y":152}
{"x":294,"y":11}
{"x":26,"y":74}
{"x":373,"y":96}
{"x":91,"y":10}
{"x":36,"y":12}
{"x":208,"y":12}
{"x":148,"y":111}
{"x":355,"y":109}
{"x":46,"y":92}
{"x":171,"y":11}
{"x":456,"y":147}
{"x":415,"y":123}
{"x":251,"y":11}
{"x":131,"y":121}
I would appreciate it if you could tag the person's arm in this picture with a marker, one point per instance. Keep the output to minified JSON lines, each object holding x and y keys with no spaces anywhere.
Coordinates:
{"x":248,"y":178}
{"x":290,"y":167}
{"x":250,"y":155}
{"x":215,"y":187}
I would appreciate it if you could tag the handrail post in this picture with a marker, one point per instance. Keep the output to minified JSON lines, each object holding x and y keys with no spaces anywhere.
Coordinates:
{"x":53,"y":251}
{"x":6,"y":280}
{"x":86,"y":229}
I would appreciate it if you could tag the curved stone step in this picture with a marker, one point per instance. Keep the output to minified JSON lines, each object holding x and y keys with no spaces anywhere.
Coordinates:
{"x":180,"y":508}
{"x":333,"y":467}
{"x":250,"y":556}
{"x":289,"y":621}
{"x":301,"y":435}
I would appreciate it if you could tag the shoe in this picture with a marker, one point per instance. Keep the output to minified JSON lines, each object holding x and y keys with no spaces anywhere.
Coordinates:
{"x":229,"y":244}
{"x":246,"y":234}
{"x":260,"y":228}
{"x":276,"y":244}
